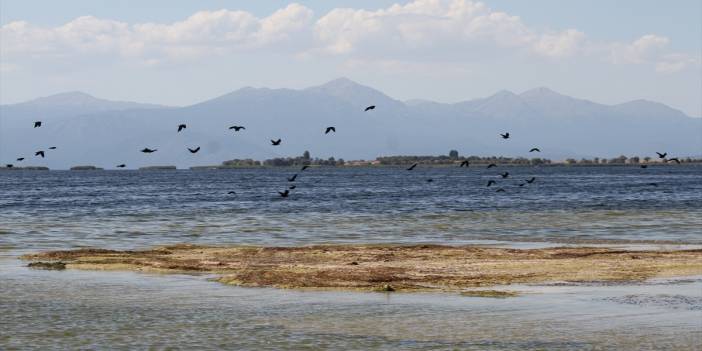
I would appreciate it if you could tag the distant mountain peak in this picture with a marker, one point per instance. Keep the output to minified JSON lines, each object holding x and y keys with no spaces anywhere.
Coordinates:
{"x":541,"y":92}
{"x":353,"y":92}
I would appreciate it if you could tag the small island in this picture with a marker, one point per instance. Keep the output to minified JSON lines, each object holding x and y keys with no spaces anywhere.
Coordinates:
{"x":85,"y":168}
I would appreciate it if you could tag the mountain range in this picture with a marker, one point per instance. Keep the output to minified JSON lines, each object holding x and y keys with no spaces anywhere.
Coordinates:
{"x":91,"y":131}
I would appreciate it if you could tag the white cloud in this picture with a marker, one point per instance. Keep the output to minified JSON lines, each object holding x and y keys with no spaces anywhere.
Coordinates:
{"x":421,"y":32}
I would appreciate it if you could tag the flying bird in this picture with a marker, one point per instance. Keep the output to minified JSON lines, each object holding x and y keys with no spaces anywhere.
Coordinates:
{"x":412,"y":167}
{"x":52,"y":148}
{"x":304,"y":167}
{"x":20,"y":159}
{"x":505,"y":136}
{"x":9,"y":165}
{"x":531,"y":180}
{"x":653,"y":184}
{"x":284,"y":193}
{"x":500,"y":190}
{"x":534,"y":149}
{"x":430,"y":180}
{"x":662,"y":155}
{"x":371,"y":107}
{"x":292,"y":187}
{"x":491,"y":182}
{"x":192,"y":151}
{"x":292,"y":179}
{"x":275,"y":142}
{"x":121,"y":166}
{"x":146,"y":150}
{"x":330,"y":129}
{"x":232,"y":193}
{"x":505,"y":175}
{"x":465,"y":163}
{"x":491,"y":165}
{"x":181,"y":127}
{"x":644,"y":166}
{"x":37,"y":124}
{"x":674,"y":159}
{"x":237,"y":128}
{"x":39,"y":153}
{"x":522,"y":184}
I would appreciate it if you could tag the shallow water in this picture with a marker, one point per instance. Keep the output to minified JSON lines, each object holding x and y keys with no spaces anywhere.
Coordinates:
{"x":128,"y":209}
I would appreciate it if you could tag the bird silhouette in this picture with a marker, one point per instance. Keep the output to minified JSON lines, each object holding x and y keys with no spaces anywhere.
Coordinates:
{"x":534,"y":149}
{"x":505,"y":175}
{"x":52,"y":148}
{"x":231,"y":193}
{"x":292,"y":187}
{"x":181,"y":127}
{"x":194,"y":150}
{"x":371,"y":107}
{"x":20,"y":159}
{"x":412,"y":167}
{"x":237,"y":128}
{"x":121,"y":166}
{"x":465,"y":163}
{"x":330,"y":129}
{"x":531,"y":180}
{"x":146,"y":150}
{"x":500,"y":190}
{"x":522,"y":184}
{"x":284,"y":193}
{"x":275,"y":142}
{"x":39,"y":153}
{"x":37,"y":124}
{"x":675,"y":159}
{"x":9,"y":165}
{"x":653,"y":184}
{"x":644,"y":166}
{"x":304,"y":167}
{"x":292,"y":179}
{"x":662,"y":155}
{"x":491,"y":182}
{"x":430,"y":180}
{"x":491,"y":165}
{"x":504,"y":136}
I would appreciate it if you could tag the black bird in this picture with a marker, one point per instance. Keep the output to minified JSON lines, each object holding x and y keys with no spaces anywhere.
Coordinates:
{"x":232,"y":193}
{"x":181,"y":127}
{"x":146,"y":150}
{"x":533,"y":149}
{"x":121,"y":166}
{"x":39,"y":153}
{"x":662,"y":155}
{"x":644,"y":166}
{"x":522,"y":184}
{"x":652,"y":184}
{"x":37,"y":124}
{"x":284,"y":193}
{"x":194,"y":150}
{"x":500,"y":190}
{"x":304,"y":167}
{"x":292,"y":179}
{"x":412,"y":167}
{"x":275,"y":142}
{"x":491,"y":165}
{"x":674,"y":159}
{"x":237,"y":128}
{"x":531,"y":180}
{"x":505,"y":175}
{"x":9,"y":165}
{"x":430,"y":180}
{"x":491,"y":182}
{"x":20,"y":159}
{"x":330,"y":129}
{"x":505,"y":136}
{"x":371,"y":107}
{"x":52,"y":148}
{"x":292,"y":187}
{"x":464,"y":164}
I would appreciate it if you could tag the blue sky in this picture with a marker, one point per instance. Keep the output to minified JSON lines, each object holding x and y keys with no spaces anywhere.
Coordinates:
{"x":606,"y":51}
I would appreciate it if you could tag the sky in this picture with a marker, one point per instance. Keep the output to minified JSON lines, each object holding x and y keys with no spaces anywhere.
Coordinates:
{"x":180,"y":52}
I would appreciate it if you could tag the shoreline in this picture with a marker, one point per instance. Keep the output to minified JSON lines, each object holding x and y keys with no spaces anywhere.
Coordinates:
{"x":402,"y":268}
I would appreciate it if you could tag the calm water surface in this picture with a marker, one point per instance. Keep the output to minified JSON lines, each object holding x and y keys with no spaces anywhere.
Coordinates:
{"x":130,"y":209}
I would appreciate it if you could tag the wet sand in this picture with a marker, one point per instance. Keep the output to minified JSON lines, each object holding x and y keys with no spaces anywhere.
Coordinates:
{"x":389,"y":267}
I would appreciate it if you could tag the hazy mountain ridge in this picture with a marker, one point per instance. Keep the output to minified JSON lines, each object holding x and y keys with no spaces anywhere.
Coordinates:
{"x":104,"y":133}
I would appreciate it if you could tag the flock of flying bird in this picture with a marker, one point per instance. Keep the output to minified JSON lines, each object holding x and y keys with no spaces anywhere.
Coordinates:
{"x":328,"y":130}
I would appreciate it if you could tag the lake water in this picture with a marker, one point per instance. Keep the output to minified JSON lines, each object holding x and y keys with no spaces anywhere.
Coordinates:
{"x":138,"y":209}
